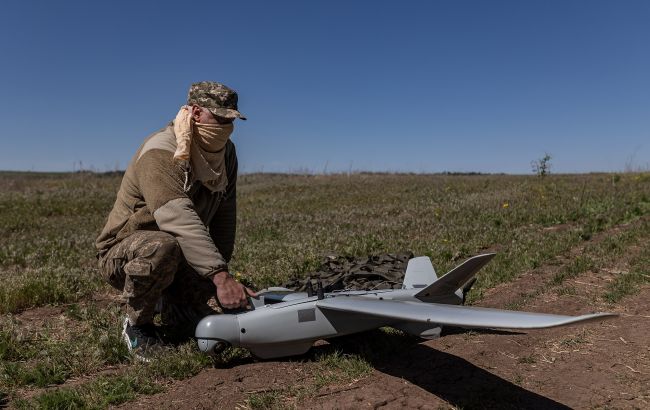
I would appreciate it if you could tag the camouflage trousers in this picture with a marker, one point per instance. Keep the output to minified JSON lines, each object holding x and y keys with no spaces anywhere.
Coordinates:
{"x":149,"y":268}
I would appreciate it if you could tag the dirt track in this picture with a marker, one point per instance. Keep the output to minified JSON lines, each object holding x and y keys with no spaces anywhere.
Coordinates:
{"x":597,"y":365}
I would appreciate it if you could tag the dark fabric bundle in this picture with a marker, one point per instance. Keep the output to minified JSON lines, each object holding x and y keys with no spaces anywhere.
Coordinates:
{"x":385,"y":271}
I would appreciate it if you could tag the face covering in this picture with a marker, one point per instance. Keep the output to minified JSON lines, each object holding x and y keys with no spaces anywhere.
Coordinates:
{"x":203,"y":145}
{"x":212,"y":137}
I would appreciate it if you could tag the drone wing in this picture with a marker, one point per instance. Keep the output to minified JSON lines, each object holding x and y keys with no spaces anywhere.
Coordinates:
{"x":392,"y":312}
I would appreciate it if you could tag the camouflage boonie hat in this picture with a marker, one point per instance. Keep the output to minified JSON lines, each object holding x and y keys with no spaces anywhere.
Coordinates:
{"x":217,"y":98}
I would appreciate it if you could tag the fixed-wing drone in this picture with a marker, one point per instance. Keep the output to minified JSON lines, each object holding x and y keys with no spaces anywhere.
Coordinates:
{"x":286,"y":323}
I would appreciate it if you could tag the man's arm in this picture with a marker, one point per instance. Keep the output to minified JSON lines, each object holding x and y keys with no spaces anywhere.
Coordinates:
{"x":161,"y":183}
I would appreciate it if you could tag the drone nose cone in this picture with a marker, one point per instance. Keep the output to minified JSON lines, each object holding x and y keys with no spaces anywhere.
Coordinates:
{"x":219,"y":327}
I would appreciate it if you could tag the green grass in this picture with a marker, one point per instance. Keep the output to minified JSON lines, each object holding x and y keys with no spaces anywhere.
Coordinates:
{"x":579,"y":265}
{"x":628,"y":283}
{"x":230,"y":356}
{"x":58,"y":285}
{"x":527,"y":360}
{"x":566,"y":290}
{"x":51,"y":356}
{"x":330,"y":368}
{"x":179,"y":363}
{"x":338,"y":367}
{"x":11,"y":347}
{"x":594,"y":257}
{"x":98,"y":393}
{"x":139,"y":378}
{"x":575,"y":340}
{"x":286,"y":224}
{"x":267,"y":400}
{"x":47,"y":226}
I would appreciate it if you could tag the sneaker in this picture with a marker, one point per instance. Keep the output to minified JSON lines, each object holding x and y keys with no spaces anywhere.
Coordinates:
{"x":142,"y":341}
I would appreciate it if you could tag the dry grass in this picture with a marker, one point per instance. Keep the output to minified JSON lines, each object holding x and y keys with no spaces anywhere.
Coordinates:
{"x":48,"y":223}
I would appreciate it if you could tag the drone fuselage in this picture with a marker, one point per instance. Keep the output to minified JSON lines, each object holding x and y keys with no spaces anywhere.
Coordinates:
{"x":292,"y":323}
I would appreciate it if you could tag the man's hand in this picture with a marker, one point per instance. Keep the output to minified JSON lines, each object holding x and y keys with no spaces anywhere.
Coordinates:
{"x":230,"y":293}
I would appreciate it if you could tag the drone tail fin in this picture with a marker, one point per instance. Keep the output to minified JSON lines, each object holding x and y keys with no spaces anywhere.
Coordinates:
{"x":453,"y":283}
{"x":419,"y":273}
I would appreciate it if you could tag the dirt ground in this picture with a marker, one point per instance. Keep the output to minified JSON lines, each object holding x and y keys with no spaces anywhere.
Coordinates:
{"x":597,"y":365}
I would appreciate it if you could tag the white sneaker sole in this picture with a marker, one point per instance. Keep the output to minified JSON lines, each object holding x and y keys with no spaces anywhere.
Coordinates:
{"x":127,"y":340}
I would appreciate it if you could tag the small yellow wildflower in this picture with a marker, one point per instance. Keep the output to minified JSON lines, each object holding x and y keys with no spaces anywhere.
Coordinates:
{"x":505,"y":205}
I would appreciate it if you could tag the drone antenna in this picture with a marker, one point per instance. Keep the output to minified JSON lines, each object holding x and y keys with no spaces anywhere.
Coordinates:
{"x":310,"y":288}
{"x":319,"y":290}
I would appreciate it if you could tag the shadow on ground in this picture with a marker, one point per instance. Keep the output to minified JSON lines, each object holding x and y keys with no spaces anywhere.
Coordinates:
{"x":449,"y":377}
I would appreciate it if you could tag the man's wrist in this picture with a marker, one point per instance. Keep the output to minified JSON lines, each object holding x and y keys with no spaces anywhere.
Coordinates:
{"x":220,"y":277}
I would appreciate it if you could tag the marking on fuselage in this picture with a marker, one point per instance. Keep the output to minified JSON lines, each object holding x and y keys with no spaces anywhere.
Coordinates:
{"x":306,"y":315}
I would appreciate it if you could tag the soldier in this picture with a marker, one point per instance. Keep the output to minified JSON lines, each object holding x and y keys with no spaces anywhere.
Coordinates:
{"x":171,"y":232}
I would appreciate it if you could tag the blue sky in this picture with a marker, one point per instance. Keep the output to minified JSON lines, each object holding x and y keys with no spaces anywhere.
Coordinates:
{"x":419,"y":86}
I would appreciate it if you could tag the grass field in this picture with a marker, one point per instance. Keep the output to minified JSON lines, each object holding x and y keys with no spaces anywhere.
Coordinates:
{"x":286,"y":225}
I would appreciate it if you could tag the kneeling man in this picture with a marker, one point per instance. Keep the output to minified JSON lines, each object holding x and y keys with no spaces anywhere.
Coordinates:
{"x":171,"y":232}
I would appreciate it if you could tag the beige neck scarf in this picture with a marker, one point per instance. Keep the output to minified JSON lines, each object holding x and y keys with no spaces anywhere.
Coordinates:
{"x":203,"y":145}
